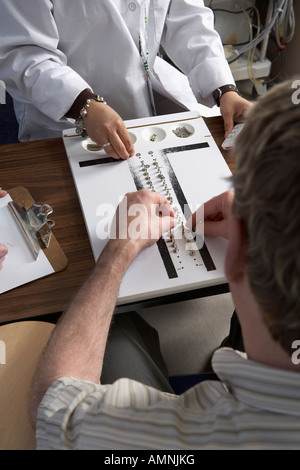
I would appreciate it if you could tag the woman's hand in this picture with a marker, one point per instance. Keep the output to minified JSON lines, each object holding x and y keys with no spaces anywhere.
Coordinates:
{"x":105,"y":126}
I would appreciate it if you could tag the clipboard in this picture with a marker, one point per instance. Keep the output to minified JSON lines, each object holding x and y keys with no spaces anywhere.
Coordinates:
{"x":48,"y":259}
{"x":53,"y":252}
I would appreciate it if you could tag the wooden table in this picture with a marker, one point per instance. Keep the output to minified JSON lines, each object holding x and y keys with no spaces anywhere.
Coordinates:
{"x":43,"y":168}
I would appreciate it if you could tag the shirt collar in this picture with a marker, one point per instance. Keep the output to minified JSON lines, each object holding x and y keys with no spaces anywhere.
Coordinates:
{"x":256,"y":384}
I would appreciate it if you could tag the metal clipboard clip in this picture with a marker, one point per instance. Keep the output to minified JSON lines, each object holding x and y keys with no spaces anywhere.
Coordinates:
{"x":34,"y":222}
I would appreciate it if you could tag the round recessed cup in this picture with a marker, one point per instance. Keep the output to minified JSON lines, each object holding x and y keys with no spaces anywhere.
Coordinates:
{"x":182,"y":130}
{"x":133,"y":137}
{"x":91,"y":146}
{"x":153,"y":134}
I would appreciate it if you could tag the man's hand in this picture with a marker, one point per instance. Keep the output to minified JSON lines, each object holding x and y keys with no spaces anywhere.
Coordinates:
{"x":217,"y":212}
{"x":141,"y":219}
{"x":3,"y":253}
{"x":103,"y":126}
{"x":233,"y":109}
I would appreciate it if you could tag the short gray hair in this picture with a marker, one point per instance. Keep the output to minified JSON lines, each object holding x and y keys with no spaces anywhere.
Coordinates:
{"x":267,"y":195}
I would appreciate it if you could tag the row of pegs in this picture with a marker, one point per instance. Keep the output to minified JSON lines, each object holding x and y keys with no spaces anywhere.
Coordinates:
{"x":149,"y":180}
{"x":185,"y":231}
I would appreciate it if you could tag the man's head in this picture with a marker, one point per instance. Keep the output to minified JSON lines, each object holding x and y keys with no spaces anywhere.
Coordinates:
{"x":267,"y":200}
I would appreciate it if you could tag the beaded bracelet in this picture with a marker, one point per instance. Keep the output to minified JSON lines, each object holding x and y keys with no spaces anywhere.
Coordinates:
{"x":80,"y":130}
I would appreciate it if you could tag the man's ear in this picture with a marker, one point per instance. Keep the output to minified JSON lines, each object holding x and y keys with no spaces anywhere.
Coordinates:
{"x":235,"y":262}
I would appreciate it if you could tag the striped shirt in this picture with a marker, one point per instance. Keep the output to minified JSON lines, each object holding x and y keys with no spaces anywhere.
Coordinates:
{"x":253,"y":406}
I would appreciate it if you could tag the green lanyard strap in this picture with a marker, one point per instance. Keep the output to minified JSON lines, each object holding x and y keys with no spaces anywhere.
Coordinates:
{"x":144,"y":53}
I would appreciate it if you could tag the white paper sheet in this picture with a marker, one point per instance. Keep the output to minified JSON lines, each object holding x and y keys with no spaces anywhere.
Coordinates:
{"x":19,"y":266}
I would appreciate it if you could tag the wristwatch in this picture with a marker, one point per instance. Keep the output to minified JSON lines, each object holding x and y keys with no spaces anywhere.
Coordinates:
{"x":222,"y":90}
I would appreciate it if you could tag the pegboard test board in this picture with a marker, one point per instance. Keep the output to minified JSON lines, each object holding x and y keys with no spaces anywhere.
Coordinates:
{"x":186,"y":167}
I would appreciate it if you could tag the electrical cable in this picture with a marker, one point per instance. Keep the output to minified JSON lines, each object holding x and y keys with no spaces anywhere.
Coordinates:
{"x":284,"y":22}
{"x":282,"y":8}
{"x":281,"y":23}
{"x":251,"y":53}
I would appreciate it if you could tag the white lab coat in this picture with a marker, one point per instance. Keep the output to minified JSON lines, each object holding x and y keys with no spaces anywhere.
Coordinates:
{"x":51,"y":50}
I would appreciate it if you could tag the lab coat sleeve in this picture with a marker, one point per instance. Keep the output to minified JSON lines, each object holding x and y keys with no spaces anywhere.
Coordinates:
{"x":195,"y":47}
{"x":31,"y":65}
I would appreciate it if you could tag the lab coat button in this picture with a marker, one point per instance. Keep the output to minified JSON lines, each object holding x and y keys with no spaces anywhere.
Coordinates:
{"x":132,"y":6}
